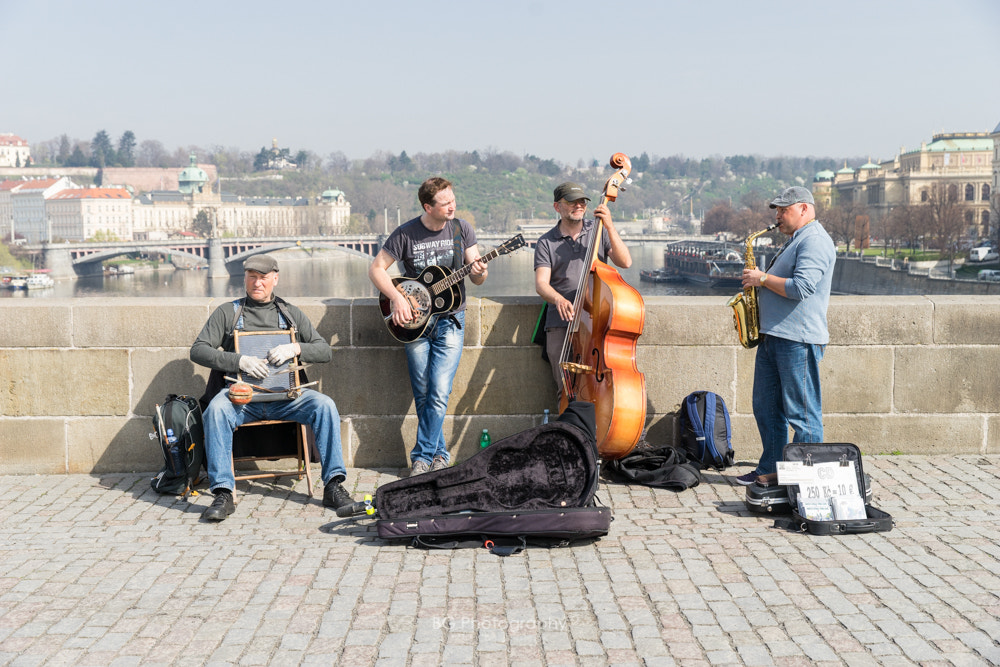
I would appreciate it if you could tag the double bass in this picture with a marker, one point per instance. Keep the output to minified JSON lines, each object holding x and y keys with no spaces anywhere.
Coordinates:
{"x":598,"y":354}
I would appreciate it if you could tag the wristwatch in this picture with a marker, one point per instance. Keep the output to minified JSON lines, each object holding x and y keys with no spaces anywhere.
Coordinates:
{"x":763,"y":279}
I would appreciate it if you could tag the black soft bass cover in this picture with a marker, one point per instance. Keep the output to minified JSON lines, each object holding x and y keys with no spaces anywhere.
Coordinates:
{"x":546,"y":467}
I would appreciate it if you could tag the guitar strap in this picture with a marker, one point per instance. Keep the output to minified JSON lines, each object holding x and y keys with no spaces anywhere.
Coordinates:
{"x":457,"y":260}
{"x":459,"y":257}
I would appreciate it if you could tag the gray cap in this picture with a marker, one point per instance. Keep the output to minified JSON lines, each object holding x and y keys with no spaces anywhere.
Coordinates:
{"x":569,"y":192}
{"x":793,"y":195}
{"x":261,"y":264}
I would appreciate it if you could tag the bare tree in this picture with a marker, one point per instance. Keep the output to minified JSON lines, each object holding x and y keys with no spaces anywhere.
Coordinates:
{"x":945,"y":217}
{"x":152,"y":154}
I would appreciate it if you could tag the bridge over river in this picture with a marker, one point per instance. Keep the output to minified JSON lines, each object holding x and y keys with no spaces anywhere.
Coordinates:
{"x":225,"y":256}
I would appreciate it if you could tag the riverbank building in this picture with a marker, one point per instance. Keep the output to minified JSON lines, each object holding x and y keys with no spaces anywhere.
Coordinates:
{"x":963,"y":164}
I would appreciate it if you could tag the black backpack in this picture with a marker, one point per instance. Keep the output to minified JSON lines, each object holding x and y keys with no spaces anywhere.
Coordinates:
{"x":178,"y":426}
{"x":706,"y":434}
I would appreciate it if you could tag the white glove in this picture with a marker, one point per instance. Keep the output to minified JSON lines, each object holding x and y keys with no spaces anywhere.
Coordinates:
{"x":254,"y":367}
{"x":279,"y":354}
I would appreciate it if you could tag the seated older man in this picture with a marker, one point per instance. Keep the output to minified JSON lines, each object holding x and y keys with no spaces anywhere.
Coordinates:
{"x":262,"y":310}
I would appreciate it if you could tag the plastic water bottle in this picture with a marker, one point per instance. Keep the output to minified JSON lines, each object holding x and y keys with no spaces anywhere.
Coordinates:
{"x":545,"y":417}
{"x":484,"y":439}
{"x":176,"y":456}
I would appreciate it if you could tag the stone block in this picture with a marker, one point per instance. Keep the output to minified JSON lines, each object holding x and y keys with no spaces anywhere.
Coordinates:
{"x":879,"y":320}
{"x":688,"y":320}
{"x":992,"y":435}
{"x":36,"y":322}
{"x":502,"y":381}
{"x":508,"y":321}
{"x":952,"y":379}
{"x":368,"y":327}
{"x":331,"y":317}
{"x":32,"y":446}
{"x":111,"y":444}
{"x":64,"y":382}
{"x":966,"y":320}
{"x":163,"y":322}
{"x":157,"y":372}
{"x":367,"y":380}
{"x":857,"y":379}
{"x":673,"y":372}
{"x":931,"y":434}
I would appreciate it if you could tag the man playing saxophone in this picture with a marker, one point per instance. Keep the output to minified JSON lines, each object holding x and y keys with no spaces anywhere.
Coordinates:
{"x":792,"y":296}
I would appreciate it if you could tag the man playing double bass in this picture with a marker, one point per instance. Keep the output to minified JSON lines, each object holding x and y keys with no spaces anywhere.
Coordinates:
{"x":561,"y":258}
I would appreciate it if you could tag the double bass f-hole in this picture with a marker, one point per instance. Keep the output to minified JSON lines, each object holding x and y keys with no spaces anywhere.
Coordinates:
{"x":598,"y":373}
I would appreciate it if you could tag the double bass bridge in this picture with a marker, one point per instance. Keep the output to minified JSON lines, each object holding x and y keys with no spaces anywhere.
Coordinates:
{"x":579,"y":369}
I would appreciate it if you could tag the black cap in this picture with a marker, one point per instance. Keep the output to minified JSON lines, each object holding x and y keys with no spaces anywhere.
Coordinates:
{"x":569,"y":192}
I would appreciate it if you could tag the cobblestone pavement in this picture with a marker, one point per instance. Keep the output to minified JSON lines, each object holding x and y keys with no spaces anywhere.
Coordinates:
{"x":99,"y":570}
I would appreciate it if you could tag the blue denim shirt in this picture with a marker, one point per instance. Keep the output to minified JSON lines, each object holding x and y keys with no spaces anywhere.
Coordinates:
{"x":805,"y":262}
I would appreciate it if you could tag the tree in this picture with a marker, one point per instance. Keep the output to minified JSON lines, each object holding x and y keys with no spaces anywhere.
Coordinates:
{"x":101,"y":151}
{"x":261,"y":160}
{"x":126,"y":149}
{"x":907,"y":223}
{"x":64,"y":150}
{"x":202,"y":223}
{"x":302,"y":159}
{"x":76,"y":158}
{"x":945,"y":217}
{"x":152,"y":154}
{"x":719,"y":218}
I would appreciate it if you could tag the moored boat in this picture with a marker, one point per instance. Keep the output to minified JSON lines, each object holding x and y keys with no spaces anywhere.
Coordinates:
{"x":39,"y":281}
{"x":659,"y":276}
{"x":716,"y":263}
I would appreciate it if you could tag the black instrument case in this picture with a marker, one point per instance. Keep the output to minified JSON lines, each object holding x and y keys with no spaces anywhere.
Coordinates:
{"x":539,"y":483}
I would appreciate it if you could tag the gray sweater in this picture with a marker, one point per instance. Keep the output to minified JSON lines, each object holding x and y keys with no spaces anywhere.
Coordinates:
{"x":214,"y":347}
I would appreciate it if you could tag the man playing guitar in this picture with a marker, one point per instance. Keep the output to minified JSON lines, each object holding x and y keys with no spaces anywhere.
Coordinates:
{"x":436,"y":237}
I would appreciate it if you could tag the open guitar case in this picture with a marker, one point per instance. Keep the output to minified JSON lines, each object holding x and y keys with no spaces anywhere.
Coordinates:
{"x":535,"y":487}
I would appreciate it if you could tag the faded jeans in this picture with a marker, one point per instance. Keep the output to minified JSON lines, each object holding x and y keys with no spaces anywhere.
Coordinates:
{"x":786,"y":393}
{"x":433,"y":360}
{"x":316,"y":410}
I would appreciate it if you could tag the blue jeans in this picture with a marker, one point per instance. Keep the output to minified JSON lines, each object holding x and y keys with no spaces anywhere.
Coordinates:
{"x":786,"y":392}
{"x":433,"y":360}
{"x":312,"y":408}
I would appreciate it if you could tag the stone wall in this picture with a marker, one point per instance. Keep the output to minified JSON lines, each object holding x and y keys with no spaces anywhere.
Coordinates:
{"x":80,"y":377}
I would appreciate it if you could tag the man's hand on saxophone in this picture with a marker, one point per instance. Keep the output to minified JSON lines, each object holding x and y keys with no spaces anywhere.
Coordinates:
{"x":758,"y":278}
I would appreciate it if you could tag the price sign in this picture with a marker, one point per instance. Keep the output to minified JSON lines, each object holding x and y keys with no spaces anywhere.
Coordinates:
{"x":829,"y":480}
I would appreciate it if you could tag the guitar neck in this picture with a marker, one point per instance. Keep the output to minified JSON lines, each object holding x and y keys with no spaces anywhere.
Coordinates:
{"x":460,"y":274}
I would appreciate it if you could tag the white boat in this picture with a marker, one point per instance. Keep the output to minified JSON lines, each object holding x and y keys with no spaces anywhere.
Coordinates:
{"x":18,"y":282}
{"x":38,"y":281}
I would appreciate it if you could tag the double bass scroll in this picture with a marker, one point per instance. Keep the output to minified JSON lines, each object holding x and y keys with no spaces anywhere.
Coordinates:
{"x":598,"y":355}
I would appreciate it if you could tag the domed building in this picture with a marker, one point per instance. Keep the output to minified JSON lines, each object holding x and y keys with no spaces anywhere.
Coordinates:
{"x":961,"y":163}
{"x":822,"y":187}
{"x":192,"y":178}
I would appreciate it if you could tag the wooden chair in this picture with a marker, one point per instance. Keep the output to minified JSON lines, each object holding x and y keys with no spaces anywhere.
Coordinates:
{"x":272,"y":440}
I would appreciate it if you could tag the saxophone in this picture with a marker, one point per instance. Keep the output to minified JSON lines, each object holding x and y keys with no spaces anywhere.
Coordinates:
{"x":746,"y":313}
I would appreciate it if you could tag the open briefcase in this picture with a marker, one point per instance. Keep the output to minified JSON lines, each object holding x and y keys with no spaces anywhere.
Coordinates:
{"x":535,"y":486}
{"x":874,"y":521}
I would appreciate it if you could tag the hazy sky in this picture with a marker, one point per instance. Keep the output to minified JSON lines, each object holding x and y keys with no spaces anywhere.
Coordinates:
{"x":564,"y":80}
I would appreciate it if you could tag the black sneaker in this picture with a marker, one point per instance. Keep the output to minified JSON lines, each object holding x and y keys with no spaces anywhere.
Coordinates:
{"x":747,"y":479}
{"x":221,"y":507}
{"x":335,"y":495}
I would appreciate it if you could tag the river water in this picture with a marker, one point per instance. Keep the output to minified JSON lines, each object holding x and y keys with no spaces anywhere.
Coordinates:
{"x":339,"y":275}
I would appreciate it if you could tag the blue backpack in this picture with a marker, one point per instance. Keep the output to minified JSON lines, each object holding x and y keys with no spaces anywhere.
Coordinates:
{"x":706,"y":434}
